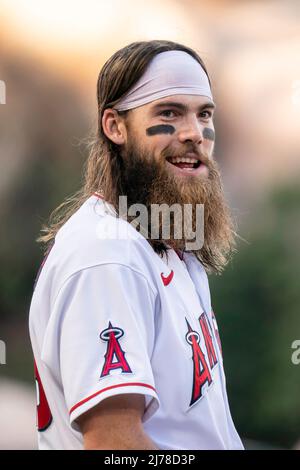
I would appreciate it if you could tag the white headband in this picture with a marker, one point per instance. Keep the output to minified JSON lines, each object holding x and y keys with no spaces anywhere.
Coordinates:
{"x":169,"y":73}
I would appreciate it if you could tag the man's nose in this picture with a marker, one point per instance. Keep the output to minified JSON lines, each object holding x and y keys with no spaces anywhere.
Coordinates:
{"x":191,"y":130}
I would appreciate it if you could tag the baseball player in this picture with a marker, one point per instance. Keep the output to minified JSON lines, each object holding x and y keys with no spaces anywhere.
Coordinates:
{"x":125,"y":342}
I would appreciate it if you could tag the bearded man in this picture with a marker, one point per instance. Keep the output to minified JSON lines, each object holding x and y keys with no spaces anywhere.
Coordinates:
{"x":126,"y":344}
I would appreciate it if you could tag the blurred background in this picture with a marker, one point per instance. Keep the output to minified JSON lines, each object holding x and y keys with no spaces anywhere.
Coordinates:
{"x":50,"y":56}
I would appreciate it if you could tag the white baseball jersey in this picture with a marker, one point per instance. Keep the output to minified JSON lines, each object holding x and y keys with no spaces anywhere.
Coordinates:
{"x":110,"y":316}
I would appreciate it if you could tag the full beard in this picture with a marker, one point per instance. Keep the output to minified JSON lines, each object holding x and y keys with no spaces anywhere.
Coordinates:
{"x":146,"y":181}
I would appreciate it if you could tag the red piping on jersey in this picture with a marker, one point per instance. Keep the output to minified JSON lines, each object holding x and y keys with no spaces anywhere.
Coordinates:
{"x":134,"y":384}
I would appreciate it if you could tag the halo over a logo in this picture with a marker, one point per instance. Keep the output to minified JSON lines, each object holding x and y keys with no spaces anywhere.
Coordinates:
{"x":105,"y":334}
{"x":190,"y":335}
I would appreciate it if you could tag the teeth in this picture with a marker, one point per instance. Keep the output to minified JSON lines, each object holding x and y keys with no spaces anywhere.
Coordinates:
{"x":183,"y":160}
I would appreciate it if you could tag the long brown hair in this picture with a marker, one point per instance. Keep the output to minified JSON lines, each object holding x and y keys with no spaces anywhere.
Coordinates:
{"x":104,"y":164}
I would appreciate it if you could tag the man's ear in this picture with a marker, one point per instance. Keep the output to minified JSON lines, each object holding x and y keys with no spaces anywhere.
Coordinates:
{"x":113,"y":126}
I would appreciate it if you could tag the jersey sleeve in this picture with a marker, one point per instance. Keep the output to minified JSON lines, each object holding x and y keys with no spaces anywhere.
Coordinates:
{"x":101,"y":337}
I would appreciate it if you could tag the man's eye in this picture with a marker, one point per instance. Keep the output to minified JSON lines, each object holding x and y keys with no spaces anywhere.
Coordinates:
{"x":165,"y":113}
{"x":206,"y":114}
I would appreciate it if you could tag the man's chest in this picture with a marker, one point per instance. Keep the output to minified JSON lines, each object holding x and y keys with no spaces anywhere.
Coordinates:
{"x":187,"y":355}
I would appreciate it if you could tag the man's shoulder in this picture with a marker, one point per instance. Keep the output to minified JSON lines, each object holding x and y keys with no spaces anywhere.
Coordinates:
{"x":94,"y":236}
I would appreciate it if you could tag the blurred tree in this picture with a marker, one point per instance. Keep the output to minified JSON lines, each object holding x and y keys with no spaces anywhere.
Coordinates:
{"x":41,"y":164}
{"x":257,"y":305}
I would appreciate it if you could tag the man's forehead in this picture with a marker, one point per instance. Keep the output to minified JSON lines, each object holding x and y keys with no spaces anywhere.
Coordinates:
{"x":185,"y":102}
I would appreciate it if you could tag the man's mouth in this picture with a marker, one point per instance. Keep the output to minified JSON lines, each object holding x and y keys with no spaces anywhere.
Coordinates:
{"x":184,"y":162}
{"x":189,"y":164}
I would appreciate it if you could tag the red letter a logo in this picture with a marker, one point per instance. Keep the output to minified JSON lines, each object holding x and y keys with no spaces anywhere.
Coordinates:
{"x":115,"y":356}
